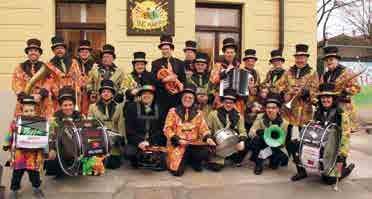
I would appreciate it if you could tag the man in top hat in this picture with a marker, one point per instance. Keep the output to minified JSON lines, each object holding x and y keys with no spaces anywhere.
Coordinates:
{"x":200,"y":77}
{"x":249,"y":60}
{"x":139,"y":77}
{"x":190,"y":55}
{"x":328,"y":112}
{"x":300,"y":82}
{"x":344,"y":79}
{"x":40,"y":88}
{"x":86,"y":62}
{"x":65,"y":71}
{"x":224,"y":66}
{"x":276,"y":72}
{"x":107,"y":70}
{"x":111,"y":114}
{"x":187,"y":133}
{"x":261,"y":150}
{"x":169,"y":74}
{"x":228,"y":117}
{"x":144,"y":127}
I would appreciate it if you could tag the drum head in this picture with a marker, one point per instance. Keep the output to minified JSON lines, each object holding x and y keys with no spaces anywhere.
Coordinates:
{"x":331,"y":143}
{"x":68,"y":145}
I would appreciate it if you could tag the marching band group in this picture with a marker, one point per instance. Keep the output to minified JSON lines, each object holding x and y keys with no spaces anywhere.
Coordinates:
{"x":173,"y":115}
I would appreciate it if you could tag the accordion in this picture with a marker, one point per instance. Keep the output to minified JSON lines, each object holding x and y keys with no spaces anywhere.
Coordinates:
{"x":238,"y":80}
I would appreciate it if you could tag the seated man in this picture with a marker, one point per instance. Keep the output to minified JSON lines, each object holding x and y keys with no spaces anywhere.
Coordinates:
{"x":144,"y":129}
{"x":67,"y":101}
{"x":228,"y":117}
{"x":328,"y":112}
{"x":261,"y":150}
{"x":188,"y":136}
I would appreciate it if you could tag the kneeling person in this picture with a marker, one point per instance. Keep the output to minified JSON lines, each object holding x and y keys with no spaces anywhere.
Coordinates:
{"x":187,"y":134}
{"x":260,"y":149}
{"x":328,"y":112}
{"x":144,"y":132}
{"x":228,"y":117}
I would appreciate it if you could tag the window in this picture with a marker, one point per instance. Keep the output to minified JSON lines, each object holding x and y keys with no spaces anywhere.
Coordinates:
{"x":81,"y":19}
{"x":214,"y":23}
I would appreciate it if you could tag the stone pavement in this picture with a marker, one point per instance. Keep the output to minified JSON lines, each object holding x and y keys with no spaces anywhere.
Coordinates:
{"x":236,"y":183}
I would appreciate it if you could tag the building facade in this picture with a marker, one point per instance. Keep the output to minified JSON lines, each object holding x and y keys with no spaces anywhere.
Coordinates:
{"x":260,"y":24}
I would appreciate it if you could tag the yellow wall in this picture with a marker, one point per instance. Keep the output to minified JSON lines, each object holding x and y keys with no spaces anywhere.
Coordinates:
{"x":24,"y":19}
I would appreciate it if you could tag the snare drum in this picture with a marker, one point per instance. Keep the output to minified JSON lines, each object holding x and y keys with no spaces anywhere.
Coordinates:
{"x":226,"y":139}
{"x":32,"y":133}
{"x":319,"y":147}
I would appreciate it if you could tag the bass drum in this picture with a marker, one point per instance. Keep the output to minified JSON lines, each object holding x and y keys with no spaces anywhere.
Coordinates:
{"x":319,"y":146}
{"x":226,"y":139}
{"x":78,"y":140}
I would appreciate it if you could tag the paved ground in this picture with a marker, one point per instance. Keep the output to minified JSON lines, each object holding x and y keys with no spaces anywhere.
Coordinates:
{"x":231,"y":183}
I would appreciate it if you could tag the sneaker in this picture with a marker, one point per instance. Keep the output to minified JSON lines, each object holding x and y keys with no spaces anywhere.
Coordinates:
{"x":38,"y":193}
{"x":13,"y":195}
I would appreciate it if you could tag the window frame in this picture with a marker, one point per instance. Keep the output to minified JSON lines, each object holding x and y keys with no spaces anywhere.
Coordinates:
{"x":216,"y":30}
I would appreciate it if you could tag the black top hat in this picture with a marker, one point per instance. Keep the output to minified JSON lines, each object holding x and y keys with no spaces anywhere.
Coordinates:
{"x":28,"y":100}
{"x":202,"y":57}
{"x":229,"y":94}
{"x":58,"y":41}
{"x":66,"y":93}
{"x":327,"y":89}
{"x":275,"y":98}
{"x":190,"y":45}
{"x":84,"y":45}
{"x":166,"y":39}
{"x":108,"y":48}
{"x":107,"y":84}
{"x":189,"y":88}
{"x":250,"y":54}
{"x":229,"y":43}
{"x":276,"y":55}
{"x":33,"y":44}
{"x":302,"y":49}
{"x":331,"y":51}
{"x":144,"y":88}
{"x":139,"y":57}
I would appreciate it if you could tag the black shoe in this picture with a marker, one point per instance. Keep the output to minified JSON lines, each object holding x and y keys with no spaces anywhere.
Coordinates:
{"x":198,"y":167}
{"x":346,"y":172}
{"x":38,"y":193}
{"x":214,"y":167}
{"x":258,"y":169}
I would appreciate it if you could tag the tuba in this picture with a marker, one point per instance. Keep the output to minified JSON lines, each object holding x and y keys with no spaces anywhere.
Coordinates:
{"x":172,"y":87}
{"x":274,"y":136}
{"x":41,"y":74}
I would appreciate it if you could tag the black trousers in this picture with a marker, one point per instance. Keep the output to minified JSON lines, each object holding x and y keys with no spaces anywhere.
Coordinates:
{"x":17,"y":175}
{"x":53,"y":168}
{"x":194,"y":155}
{"x":278,"y":157}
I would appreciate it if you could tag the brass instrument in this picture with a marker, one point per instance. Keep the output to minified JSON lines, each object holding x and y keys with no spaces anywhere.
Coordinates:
{"x":289,"y":104}
{"x":41,"y":74}
{"x":341,"y":84}
{"x":274,"y":136}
